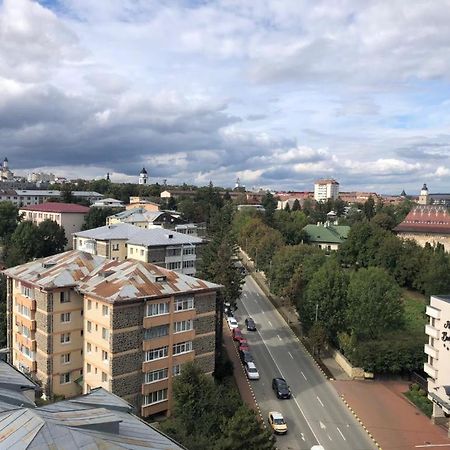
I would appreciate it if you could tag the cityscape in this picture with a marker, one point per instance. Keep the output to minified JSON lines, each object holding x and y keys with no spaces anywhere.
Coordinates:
{"x":224,"y":225}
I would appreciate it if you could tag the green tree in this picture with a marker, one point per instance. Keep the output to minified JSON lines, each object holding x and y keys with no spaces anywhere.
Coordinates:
{"x":9,"y":218}
{"x":270,"y":205}
{"x":326,"y":298}
{"x":243,"y":432}
{"x":374,"y":303}
{"x":296,"y":205}
{"x":25,"y":244}
{"x":369,"y":208}
{"x":96,"y":217}
{"x":287,"y":208}
{"x":318,"y":337}
{"x":66,"y":195}
{"x":52,"y":237}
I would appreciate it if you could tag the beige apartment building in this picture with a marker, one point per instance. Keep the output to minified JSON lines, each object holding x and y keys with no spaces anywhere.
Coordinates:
{"x":77,"y":321}
{"x":69,"y":216}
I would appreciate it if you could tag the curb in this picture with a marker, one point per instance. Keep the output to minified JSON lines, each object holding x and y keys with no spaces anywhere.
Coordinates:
{"x":360,"y":422}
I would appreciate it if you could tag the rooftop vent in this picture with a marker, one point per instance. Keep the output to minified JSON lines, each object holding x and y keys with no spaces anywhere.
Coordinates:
{"x":159,"y":278}
{"x":48,"y":264}
{"x":105,"y":273}
{"x":169,"y":236}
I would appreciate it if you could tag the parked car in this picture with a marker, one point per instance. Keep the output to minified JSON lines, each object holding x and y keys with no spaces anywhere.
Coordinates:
{"x":281,"y":388}
{"x":237,"y":334}
{"x":232,"y":323}
{"x":245,"y":356}
{"x":250,"y":324}
{"x":277,"y":422}
{"x":244,"y":345}
{"x":251,"y":370}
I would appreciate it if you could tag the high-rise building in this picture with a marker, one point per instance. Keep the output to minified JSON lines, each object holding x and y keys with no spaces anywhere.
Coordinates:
{"x":326,"y":189}
{"x":77,"y":321}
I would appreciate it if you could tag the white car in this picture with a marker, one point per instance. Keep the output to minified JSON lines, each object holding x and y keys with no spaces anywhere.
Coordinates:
{"x":232,"y":323}
{"x":252,"y":371}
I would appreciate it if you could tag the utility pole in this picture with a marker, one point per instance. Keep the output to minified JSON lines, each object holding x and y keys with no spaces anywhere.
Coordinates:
{"x":317,"y":310}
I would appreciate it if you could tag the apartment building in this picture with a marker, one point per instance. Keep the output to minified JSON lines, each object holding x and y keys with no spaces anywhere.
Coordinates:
{"x":69,"y":216}
{"x":326,"y":189}
{"x":78,"y":321}
{"x":143,"y":218}
{"x":165,"y":248}
{"x":437,"y":349}
{"x":26,"y":197}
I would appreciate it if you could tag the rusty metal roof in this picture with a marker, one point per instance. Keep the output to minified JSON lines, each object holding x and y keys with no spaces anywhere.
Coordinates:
{"x":105,"y":278}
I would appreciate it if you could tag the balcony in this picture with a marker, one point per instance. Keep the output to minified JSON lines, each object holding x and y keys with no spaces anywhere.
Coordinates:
{"x":433,"y":312}
{"x":430,"y":370}
{"x":431,"y":331}
{"x":431,"y":351}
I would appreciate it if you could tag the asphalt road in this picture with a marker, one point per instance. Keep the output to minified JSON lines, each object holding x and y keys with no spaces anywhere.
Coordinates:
{"x":315,"y":414}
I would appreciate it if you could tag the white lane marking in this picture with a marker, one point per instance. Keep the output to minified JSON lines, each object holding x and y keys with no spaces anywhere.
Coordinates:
{"x":329,"y":437}
{"x":290,"y":354}
{"x":295,"y":400}
{"x":303,"y":437}
{"x":263,"y":312}
{"x":320,"y":401}
{"x":279,"y":337}
{"x":304,"y":376}
{"x":322,"y":425}
{"x":270,"y":323}
{"x":340,"y":432}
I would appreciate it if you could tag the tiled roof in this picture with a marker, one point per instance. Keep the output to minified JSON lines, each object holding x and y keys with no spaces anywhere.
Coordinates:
{"x":57,"y":207}
{"x":105,"y":278}
{"x":331,"y":234}
{"x":426,"y":219}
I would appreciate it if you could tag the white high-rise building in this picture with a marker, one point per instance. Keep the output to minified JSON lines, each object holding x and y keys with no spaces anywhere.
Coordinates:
{"x":325,"y":189}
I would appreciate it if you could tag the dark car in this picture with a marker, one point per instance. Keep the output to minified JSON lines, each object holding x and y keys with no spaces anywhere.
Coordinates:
{"x":250,"y":324}
{"x":245,"y":356}
{"x":281,"y":388}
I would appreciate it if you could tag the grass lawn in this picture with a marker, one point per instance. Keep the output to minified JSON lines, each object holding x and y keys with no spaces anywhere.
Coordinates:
{"x":419,"y":398}
{"x":415,"y":304}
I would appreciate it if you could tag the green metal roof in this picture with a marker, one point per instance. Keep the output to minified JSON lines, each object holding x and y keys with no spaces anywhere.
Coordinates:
{"x":331,"y":234}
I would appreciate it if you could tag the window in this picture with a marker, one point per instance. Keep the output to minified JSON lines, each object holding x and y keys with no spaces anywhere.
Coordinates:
{"x":27,"y":291}
{"x":155,"y":397}
{"x":64,"y":378}
{"x":25,"y":331}
{"x":184,"y":325}
{"x":104,"y":377}
{"x":105,"y":310}
{"x":65,"y":317}
{"x":88,"y":347}
{"x":188,"y":264}
{"x":156,"y":332}
{"x":142,"y":252}
{"x":64,"y":297}
{"x":104,"y":356}
{"x":65,"y":338}
{"x":24,"y":310}
{"x":88,"y":368}
{"x":156,"y":375}
{"x":173,"y":252}
{"x":89,"y":326}
{"x":183,"y":303}
{"x":189,"y":251}
{"x":89,"y":304}
{"x":105,"y":333}
{"x":174,"y":265}
{"x":157,"y":309}
{"x":115,"y":247}
{"x":65,"y":358}
{"x":182,"y":347}
{"x":176,"y":370}
{"x":157,"y":353}
{"x":131,"y":250}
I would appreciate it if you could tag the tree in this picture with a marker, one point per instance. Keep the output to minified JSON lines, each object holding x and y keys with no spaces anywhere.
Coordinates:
{"x":318,"y":337}
{"x":287,"y":207}
{"x":296,"y":205}
{"x":270,"y":205}
{"x":25,"y":244}
{"x":369,"y":208}
{"x":53,"y":238}
{"x":326,"y":298}
{"x":374,"y":303}
{"x":9,"y":218}
{"x":96,"y":217}
{"x":66,"y":193}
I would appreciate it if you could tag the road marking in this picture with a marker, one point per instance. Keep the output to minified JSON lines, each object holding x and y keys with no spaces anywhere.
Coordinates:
{"x":329,"y":437}
{"x":263,"y":312}
{"x":304,"y":376}
{"x":340,"y":432}
{"x":322,"y":425}
{"x":320,"y":401}
{"x":279,"y":337}
{"x":303,"y":437}
{"x":290,"y":354}
{"x":270,"y":323}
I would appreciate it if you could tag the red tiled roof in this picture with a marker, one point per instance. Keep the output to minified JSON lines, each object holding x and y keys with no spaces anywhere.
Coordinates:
{"x":56,"y":207}
{"x":426,"y":219}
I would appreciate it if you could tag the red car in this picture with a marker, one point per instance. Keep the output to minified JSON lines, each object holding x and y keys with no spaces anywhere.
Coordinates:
{"x":237,"y":334}
{"x":243,"y":346}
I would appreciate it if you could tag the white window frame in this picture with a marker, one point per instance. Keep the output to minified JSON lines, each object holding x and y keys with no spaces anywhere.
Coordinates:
{"x":155,"y":397}
{"x":183,"y":325}
{"x":105,"y":310}
{"x":63,"y":340}
{"x":156,"y":375}
{"x":157,"y":353}
{"x":64,"y":297}
{"x":157,"y":309}
{"x":67,"y":374}
{"x":105,"y":333}
{"x":64,"y":316}
{"x":184,"y":304}
{"x":176,"y":370}
{"x":182,"y":347}
{"x":105,"y":353}
{"x":65,"y":358}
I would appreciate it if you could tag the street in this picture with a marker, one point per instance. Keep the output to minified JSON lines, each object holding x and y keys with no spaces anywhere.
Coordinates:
{"x":315,"y":414}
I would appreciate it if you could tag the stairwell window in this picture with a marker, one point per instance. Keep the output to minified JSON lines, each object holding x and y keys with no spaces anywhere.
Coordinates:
{"x":64,"y":297}
{"x":65,"y":317}
{"x":65,"y":358}
{"x":64,"y":378}
{"x":65,"y":338}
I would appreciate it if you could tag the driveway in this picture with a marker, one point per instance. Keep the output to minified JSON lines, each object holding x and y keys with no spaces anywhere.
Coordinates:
{"x":393,"y":421}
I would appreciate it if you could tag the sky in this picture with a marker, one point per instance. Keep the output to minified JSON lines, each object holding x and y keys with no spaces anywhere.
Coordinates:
{"x":275,"y":92}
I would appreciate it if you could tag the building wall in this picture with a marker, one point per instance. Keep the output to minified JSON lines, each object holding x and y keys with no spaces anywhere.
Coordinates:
{"x":423,"y":238}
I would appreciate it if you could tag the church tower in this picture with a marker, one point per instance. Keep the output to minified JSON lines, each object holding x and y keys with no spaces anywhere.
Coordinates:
{"x":5,"y":164}
{"x":143,"y":177}
{"x":424,"y":198}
